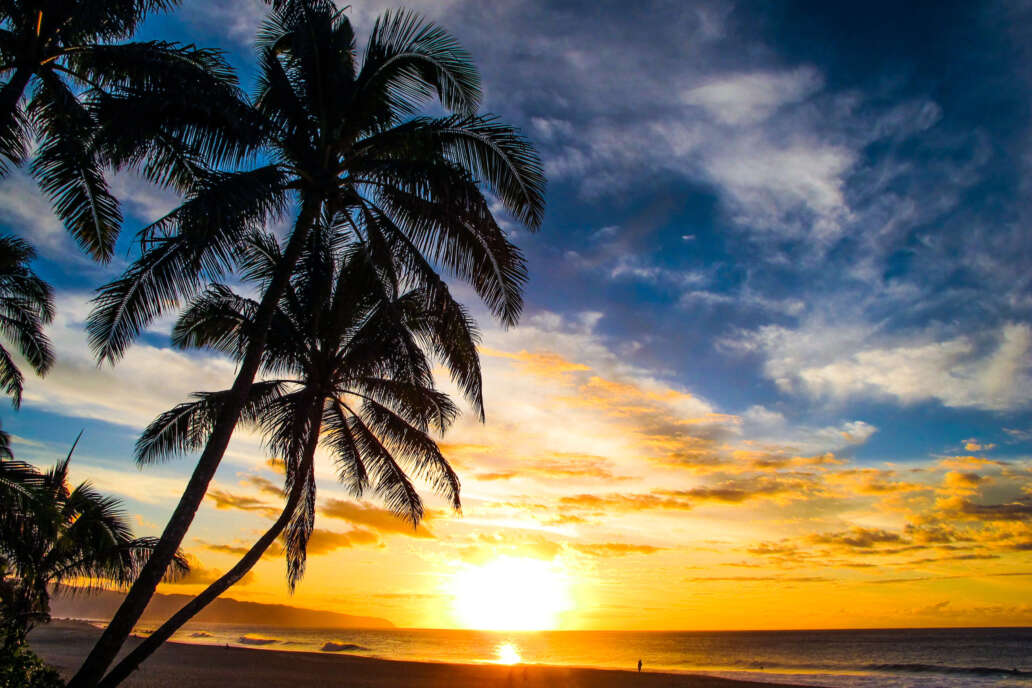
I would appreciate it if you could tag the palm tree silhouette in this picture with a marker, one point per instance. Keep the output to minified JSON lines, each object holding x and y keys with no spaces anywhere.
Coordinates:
{"x":26,"y":305}
{"x":348,"y":359}
{"x":52,"y":535}
{"x":342,"y":139}
{"x":68,"y":49}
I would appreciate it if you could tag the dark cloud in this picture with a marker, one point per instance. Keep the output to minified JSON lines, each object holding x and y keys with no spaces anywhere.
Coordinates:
{"x":859,"y":538}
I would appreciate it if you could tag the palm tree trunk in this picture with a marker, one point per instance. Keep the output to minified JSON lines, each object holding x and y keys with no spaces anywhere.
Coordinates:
{"x":145,"y":649}
{"x":134,"y":604}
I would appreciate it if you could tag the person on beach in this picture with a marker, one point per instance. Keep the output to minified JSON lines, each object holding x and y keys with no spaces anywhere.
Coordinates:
{"x":639,"y":666}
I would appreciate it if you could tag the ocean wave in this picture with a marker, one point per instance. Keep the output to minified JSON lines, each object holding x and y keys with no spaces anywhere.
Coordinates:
{"x":892,"y":668}
{"x":250,"y":639}
{"x":201,"y":634}
{"x":946,"y":669}
{"x":331,"y":646}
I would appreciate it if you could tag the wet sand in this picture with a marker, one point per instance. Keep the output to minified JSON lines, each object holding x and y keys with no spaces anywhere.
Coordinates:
{"x":65,"y":643}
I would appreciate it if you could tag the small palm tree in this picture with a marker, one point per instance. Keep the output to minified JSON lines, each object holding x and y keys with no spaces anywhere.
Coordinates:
{"x":52,"y":535}
{"x":67,"y":50}
{"x":347,"y":360}
{"x":26,"y":305}
{"x":344,"y":143}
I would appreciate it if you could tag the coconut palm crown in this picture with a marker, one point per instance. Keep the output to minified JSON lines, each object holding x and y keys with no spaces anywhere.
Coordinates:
{"x":63,"y":61}
{"x":348,"y":359}
{"x":343,"y":146}
{"x":349,"y":354}
{"x":55,"y":536}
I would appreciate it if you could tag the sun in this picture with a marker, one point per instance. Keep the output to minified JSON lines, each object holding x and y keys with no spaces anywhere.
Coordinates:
{"x":511,"y":594}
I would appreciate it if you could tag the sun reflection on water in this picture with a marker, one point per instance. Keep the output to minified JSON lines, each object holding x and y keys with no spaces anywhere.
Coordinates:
{"x":507,"y":653}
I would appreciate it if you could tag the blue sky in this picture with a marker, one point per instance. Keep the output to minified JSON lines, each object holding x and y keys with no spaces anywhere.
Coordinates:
{"x":809,"y":216}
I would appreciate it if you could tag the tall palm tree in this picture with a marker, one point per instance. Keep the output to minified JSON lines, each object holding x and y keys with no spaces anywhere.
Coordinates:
{"x":67,"y":50}
{"x":52,"y":534}
{"x":348,"y":358}
{"x":343,"y":140}
{"x":26,"y":305}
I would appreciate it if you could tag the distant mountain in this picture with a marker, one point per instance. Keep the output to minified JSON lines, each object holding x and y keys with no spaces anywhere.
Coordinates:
{"x":102,"y":606}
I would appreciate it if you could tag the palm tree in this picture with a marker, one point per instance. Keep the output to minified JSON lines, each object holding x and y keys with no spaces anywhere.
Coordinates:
{"x":343,"y":141}
{"x":354,"y":349}
{"x":68,"y":50}
{"x":52,"y":535}
{"x":26,"y":305}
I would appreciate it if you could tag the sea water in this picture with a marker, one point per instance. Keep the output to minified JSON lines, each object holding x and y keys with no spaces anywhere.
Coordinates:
{"x":898,"y":658}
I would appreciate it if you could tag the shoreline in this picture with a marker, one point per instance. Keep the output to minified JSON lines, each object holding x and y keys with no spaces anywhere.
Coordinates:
{"x":64,"y":643}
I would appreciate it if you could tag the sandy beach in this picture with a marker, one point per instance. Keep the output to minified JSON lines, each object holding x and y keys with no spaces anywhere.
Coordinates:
{"x":64,"y":644}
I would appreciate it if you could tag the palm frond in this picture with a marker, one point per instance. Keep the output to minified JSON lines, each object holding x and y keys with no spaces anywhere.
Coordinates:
{"x":69,"y":171}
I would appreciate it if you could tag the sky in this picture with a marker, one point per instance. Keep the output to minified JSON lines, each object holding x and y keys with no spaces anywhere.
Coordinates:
{"x":774,"y":367}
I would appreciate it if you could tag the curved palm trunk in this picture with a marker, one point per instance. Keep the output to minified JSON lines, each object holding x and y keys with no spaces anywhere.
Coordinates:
{"x":121,"y":625}
{"x":145,"y":649}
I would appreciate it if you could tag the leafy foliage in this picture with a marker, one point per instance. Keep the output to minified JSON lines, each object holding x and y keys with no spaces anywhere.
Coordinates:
{"x":346,"y":143}
{"x":26,"y":305}
{"x":21,"y":668}
{"x":346,"y":363}
{"x":55,"y":536}
{"x":66,"y":74}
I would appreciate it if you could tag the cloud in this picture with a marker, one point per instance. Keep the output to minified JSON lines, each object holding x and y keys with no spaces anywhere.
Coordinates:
{"x":858,"y":538}
{"x":326,"y":541}
{"x":199,"y":574}
{"x":274,"y":550}
{"x":625,"y":502}
{"x":962,"y":508}
{"x":227,"y":500}
{"x":749,"y":98}
{"x":613,"y":549}
{"x":825,"y":361}
{"x":149,"y":379}
{"x":370,"y":516}
{"x":557,"y":466}
{"x":760,"y":579}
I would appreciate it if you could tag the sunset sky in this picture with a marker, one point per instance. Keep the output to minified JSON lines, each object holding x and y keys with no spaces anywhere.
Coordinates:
{"x":775,"y":369}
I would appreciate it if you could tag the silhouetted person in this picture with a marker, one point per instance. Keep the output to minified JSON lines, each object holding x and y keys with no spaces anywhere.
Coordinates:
{"x":639,"y":666}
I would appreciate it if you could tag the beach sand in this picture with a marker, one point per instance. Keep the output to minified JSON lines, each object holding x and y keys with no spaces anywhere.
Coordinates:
{"x":65,"y":643}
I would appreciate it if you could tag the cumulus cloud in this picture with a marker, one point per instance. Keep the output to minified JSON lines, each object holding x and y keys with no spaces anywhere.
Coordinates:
{"x":842,"y":363}
{"x":751,"y":97}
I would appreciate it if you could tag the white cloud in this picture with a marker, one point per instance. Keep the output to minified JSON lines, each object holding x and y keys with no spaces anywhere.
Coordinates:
{"x":769,"y":184}
{"x":751,"y":97}
{"x":24,"y":209}
{"x":841,"y":363}
{"x":147,"y":381}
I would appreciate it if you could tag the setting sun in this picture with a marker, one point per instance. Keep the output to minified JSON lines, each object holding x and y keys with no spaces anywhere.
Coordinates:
{"x":511,"y":594}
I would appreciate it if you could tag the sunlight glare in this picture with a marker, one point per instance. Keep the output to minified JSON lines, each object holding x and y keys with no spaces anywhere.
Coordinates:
{"x":511,"y":594}
{"x":508,"y":653}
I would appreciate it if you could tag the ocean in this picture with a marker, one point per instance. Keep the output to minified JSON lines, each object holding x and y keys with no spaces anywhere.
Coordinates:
{"x":907,"y":658}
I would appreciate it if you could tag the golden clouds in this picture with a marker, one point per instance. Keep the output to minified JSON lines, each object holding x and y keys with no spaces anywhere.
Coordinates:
{"x":557,"y":466}
{"x":543,"y":364}
{"x":380,"y":520}
{"x":200,"y":574}
{"x":857,"y":538}
{"x":227,"y":500}
{"x":326,"y":541}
